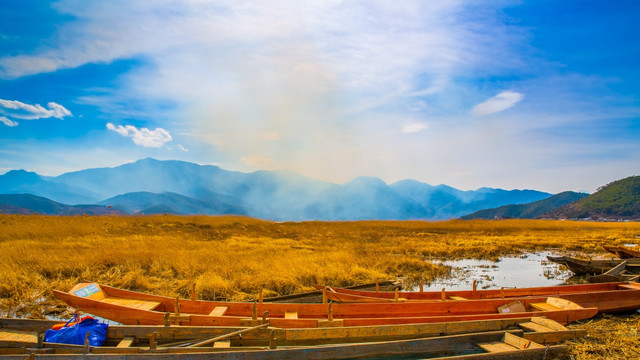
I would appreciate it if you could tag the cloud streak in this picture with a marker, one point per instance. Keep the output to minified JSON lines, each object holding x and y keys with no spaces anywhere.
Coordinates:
{"x":19,"y":110}
{"x":498,"y":103}
{"x":142,"y":137}
{"x":8,"y":122}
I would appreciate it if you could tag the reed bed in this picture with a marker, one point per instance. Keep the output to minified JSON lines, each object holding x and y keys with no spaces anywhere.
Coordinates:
{"x":233,"y":258}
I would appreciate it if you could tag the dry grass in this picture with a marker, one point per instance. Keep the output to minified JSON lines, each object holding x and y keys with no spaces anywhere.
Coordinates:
{"x":234,"y":257}
{"x":609,"y":337}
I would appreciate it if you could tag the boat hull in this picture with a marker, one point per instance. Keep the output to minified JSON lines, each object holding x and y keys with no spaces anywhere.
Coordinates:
{"x":614,"y":297}
{"x":199,"y":313}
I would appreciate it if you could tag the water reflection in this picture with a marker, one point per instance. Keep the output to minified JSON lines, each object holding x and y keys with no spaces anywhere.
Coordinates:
{"x":526,"y":270}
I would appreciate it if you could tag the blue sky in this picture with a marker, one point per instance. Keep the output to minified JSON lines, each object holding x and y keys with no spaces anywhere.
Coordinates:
{"x":539,"y":94}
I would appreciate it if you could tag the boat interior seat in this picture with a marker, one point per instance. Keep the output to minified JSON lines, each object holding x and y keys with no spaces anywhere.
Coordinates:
{"x":13,"y":337}
{"x":543,"y":306}
{"x":218,"y":311}
{"x":136,"y":304}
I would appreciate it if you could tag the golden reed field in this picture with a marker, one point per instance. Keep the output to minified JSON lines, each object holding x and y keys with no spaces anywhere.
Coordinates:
{"x":232,"y":258}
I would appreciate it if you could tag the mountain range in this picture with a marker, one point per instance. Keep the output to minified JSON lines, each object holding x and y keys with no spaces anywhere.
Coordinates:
{"x":527,"y":211}
{"x":152,"y":186}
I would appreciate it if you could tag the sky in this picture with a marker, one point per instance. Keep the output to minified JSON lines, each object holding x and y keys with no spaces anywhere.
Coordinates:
{"x":540,"y":94}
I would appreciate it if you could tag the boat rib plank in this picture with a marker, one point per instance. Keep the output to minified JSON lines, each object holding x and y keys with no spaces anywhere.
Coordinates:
{"x":218,"y":311}
{"x":497,"y":346}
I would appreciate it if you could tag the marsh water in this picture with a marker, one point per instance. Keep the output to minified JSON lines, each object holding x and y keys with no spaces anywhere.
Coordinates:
{"x":525,"y":270}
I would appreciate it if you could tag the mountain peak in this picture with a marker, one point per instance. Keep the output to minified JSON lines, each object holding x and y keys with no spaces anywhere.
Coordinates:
{"x":367,"y":181}
{"x":22,"y":176}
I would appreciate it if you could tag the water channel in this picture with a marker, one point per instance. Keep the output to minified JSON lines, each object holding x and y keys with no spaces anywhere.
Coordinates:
{"x":525,"y":270}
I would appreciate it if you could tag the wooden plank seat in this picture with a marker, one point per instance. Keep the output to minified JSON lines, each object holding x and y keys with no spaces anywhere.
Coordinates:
{"x":457,"y":298}
{"x":126,"y":342}
{"x":13,"y":337}
{"x":136,"y":304}
{"x":497,"y":346}
{"x":509,"y":342}
{"x":544,"y":306}
{"x":222,"y":344}
{"x":218,"y":311}
{"x":534,"y":327}
{"x":290,"y":314}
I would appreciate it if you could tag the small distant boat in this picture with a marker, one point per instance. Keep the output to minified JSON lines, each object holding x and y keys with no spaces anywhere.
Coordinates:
{"x":623,"y":252}
{"x":595,"y":266}
{"x":133,"y":308}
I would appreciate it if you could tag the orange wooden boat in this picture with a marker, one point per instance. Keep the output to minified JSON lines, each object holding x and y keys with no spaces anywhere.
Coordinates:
{"x":623,"y":252}
{"x":607,"y":297}
{"x":133,"y":308}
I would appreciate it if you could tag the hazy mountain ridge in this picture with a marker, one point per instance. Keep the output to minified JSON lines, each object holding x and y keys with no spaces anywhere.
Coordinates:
{"x":529,"y":210}
{"x":31,"y":204}
{"x":151,"y":186}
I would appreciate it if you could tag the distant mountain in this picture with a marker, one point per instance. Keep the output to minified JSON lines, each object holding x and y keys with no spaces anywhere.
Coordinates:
{"x":444,"y":202}
{"x":21,"y":182}
{"x":529,"y":210}
{"x":172,"y":203}
{"x":617,"y":200}
{"x":153,"y":186}
{"x":31,"y":204}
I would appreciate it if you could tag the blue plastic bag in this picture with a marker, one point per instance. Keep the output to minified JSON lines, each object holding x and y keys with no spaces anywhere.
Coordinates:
{"x":76,"y":333}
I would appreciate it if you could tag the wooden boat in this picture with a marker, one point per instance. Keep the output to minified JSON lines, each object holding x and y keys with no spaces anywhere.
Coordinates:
{"x":133,"y":308}
{"x":607,"y":297}
{"x":623,"y":252}
{"x":340,"y":294}
{"x":618,"y":273}
{"x":595,"y":266}
{"x":28,"y":333}
{"x":488,"y":345}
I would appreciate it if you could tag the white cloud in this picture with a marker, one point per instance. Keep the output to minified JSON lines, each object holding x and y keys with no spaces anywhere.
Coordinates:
{"x":182,"y":148}
{"x":414,"y":127}
{"x":20,"y":110}
{"x":314,"y":76}
{"x":143,"y":137}
{"x":500,"y":102}
{"x":8,"y":122}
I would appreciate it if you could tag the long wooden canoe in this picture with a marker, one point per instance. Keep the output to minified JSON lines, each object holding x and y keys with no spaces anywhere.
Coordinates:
{"x":488,"y":345}
{"x":623,"y":252}
{"x":595,"y":266}
{"x":133,"y":308}
{"x":607,"y":297}
{"x":26,"y":333}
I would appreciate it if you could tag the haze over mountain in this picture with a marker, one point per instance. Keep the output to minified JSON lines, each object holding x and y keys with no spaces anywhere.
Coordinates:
{"x":153,"y":186}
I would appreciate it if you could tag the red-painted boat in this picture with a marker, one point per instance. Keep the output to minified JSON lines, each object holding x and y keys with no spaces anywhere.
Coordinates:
{"x":134,"y":308}
{"x":607,"y":297}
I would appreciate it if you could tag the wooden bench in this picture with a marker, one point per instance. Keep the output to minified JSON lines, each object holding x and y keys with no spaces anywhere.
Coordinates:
{"x":136,"y":304}
{"x":290,"y":314}
{"x":509,"y":343}
{"x":218,"y":311}
{"x":544,"y":306}
{"x":13,"y":337}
